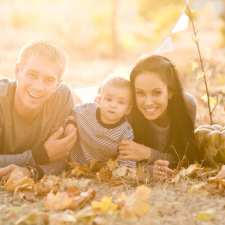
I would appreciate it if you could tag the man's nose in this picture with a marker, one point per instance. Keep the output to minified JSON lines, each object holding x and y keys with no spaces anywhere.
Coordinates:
{"x":39,"y":85}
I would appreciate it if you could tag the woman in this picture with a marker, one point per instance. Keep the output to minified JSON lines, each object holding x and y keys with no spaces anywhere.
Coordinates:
{"x":162,"y":118}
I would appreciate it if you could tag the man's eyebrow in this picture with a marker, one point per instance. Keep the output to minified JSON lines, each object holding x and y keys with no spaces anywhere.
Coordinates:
{"x":33,"y":71}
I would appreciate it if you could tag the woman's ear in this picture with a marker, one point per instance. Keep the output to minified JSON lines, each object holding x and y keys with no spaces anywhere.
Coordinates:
{"x":129,"y":109}
{"x":170,"y":94}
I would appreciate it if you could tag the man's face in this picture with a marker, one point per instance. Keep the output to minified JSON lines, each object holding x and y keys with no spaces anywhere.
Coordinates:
{"x":37,"y":80}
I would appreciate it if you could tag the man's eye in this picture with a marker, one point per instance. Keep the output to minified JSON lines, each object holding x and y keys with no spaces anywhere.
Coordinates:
{"x":108,"y":99}
{"x":32,"y":75}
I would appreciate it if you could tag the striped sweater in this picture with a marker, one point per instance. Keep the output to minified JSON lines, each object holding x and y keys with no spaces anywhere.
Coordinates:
{"x":98,"y":141}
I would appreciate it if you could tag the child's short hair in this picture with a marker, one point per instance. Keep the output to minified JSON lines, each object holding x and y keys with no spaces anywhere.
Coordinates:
{"x":43,"y":49}
{"x":119,"y":82}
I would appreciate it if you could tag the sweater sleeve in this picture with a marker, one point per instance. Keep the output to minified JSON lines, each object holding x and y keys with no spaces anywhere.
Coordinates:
{"x":55,"y":114}
{"x":128,"y":135}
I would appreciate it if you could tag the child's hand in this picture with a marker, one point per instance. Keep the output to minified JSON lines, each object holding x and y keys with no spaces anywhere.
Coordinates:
{"x":130,"y":150}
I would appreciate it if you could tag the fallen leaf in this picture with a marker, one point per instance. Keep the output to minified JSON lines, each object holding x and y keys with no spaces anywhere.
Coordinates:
{"x":104,"y":206}
{"x":33,"y":218}
{"x":136,"y":204}
{"x":205,"y":216}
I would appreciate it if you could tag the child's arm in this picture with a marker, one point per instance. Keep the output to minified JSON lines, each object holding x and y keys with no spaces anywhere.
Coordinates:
{"x":128,"y":135}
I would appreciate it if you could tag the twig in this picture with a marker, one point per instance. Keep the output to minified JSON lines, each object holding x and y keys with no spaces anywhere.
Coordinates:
{"x":190,"y":15}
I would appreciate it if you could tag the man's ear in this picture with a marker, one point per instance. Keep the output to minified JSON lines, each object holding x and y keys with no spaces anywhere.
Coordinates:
{"x":17,"y":69}
{"x":97,"y":99}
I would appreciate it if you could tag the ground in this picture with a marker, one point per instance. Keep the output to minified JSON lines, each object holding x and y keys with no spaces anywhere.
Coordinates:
{"x":169,"y":204}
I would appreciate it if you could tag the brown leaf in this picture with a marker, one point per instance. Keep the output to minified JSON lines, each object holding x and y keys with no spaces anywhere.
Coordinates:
{"x":19,"y":180}
{"x":136,"y":204}
{"x":63,"y":200}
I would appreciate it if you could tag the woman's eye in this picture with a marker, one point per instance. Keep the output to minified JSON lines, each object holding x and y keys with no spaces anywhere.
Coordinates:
{"x":157,"y":93}
{"x":138,"y":93}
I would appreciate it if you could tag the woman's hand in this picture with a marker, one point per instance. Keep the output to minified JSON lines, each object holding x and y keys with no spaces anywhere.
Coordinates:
{"x":161,"y":170}
{"x":130,"y":150}
{"x":221,"y":173}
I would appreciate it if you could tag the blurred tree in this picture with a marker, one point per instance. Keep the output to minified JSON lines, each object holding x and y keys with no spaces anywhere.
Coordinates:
{"x":223,"y":25}
{"x":115,"y":43}
{"x":163,"y":14}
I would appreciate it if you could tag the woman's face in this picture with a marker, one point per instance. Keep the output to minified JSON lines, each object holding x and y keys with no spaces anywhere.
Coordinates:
{"x":151,"y":95}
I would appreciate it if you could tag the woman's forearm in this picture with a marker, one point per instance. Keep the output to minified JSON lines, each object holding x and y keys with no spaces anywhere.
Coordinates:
{"x":157,"y":155}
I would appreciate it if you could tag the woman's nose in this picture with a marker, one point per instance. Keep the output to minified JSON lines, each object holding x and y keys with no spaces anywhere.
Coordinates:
{"x":148,"y":100}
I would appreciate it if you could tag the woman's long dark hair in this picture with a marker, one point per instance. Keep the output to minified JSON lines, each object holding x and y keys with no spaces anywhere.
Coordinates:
{"x":181,"y":137}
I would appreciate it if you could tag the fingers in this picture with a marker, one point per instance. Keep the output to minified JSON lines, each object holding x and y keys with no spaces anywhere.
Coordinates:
{"x":221,"y":173}
{"x":161,"y":172}
{"x":57,"y":134}
{"x":125,"y":142}
{"x":162,"y":163}
{"x":70,"y":139}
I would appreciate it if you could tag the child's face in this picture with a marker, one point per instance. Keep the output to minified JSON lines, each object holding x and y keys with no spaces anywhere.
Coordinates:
{"x":37,"y":80}
{"x":114,"y":104}
{"x":151,"y":95}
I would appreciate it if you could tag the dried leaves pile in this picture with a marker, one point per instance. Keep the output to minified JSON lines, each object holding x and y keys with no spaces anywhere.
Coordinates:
{"x":69,"y":199}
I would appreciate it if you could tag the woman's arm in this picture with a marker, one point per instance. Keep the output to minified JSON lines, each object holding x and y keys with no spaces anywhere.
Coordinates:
{"x":130,"y":150}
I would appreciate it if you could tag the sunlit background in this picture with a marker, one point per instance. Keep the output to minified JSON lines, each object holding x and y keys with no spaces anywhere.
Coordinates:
{"x":103,"y":37}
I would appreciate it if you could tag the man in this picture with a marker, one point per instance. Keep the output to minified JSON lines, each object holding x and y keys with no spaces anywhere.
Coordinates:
{"x":34,"y":109}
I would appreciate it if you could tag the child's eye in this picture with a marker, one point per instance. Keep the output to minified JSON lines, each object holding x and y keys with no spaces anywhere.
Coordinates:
{"x":121,"y":102}
{"x":49,"y":80}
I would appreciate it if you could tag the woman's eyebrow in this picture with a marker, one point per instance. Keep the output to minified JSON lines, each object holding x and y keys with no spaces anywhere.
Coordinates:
{"x":139,"y":89}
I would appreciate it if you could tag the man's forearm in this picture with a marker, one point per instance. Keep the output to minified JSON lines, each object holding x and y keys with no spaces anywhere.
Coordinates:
{"x":20,"y":159}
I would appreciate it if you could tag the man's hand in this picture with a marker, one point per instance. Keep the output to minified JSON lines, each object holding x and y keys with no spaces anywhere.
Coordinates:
{"x":60,"y":143}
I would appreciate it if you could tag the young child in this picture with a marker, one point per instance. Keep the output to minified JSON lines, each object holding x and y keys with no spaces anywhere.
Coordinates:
{"x":103,"y":125}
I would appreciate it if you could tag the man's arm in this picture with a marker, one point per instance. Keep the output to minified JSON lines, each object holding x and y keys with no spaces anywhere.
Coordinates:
{"x":20,"y":159}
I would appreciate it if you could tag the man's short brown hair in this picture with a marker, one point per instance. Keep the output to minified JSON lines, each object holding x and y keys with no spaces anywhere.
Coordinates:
{"x":43,"y":49}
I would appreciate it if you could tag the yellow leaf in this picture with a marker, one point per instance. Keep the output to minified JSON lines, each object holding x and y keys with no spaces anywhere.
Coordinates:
{"x":104,"y":206}
{"x":137,"y":204}
{"x":206,"y":215}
